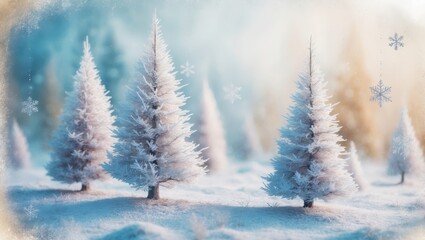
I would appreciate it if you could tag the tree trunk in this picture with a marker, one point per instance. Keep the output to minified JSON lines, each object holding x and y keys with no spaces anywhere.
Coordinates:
{"x":153,"y":192}
{"x":85,"y":187}
{"x":308,"y":204}
{"x":402,"y":178}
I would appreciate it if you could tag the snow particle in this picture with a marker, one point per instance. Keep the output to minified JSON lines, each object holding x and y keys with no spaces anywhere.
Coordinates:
{"x":380,"y":93}
{"x":232,"y":93}
{"x":29,"y":106}
{"x":396,"y":41}
{"x":187,"y":69}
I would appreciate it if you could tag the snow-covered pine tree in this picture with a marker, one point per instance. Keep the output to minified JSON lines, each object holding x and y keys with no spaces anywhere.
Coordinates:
{"x":405,"y":154}
{"x":355,"y":167}
{"x":19,"y":155}
{"x":85,"y":134}
{"x":309,"y":163}
{"x":210,"y":132}
{"x":153,"y":147}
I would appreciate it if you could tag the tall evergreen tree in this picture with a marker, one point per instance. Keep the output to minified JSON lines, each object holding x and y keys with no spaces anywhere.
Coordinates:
{"x":309,"y":164}
{"x":405,"y":154}
{"x":153,"y":147}
{"x":210,"y":132}
{"x":19,"y":155}
{"x":84,"y":135}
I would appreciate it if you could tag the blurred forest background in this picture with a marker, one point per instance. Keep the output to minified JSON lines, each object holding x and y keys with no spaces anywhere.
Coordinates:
{"x":259,"y":46}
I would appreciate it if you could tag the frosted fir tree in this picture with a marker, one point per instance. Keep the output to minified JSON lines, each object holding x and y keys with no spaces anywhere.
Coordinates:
{"x":19,"y":155}
{"x":309,"y":163}
{"x":85,"y":134}
{"x":210,"y":132}
{"x":405,"y":154}
{"x":153,"y":148}
{"x":355,"y":168}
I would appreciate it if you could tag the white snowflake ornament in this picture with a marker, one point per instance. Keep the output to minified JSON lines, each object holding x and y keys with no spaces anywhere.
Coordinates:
{"x":396,"y":41}
{"x":29,"y":106}
{"x":31,"y":212}
{"x":380,"y":93}
{"x":187,"y":69}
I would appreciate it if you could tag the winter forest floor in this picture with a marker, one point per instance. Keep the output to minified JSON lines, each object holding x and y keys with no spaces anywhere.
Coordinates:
{"x":231,"y":205}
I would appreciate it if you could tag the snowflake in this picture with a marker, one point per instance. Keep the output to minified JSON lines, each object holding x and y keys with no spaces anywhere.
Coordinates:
{"x":396,"y":41}
{"x":232,"y":93}
{"x":31,"y":212}
{"x":187,"y":69}
{"x":380,"y":93}
{"x":29,"y":106}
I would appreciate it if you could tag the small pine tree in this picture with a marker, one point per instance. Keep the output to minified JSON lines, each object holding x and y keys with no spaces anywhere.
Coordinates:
{"x":84,"y":136}
{"x":405,"y":154}
{"x":355,"y":167}
{"x":210,"y":132}
{"x":19,"y":155}
{"x":309,"y":163}
{"x":153,"y":147}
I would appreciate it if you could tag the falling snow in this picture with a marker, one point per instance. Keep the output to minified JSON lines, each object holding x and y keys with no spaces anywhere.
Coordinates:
{"x":29,"y":106}
{"x":232,"y":93}
{"x":396,"y":41}
{"x":31,"y":212}
{"x":187,"y":69}
{"x":380,"y":93}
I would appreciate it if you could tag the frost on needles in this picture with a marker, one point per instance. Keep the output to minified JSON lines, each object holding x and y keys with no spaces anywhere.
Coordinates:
{"x":84,"y":136}
{"x":309,"y":163}
{"x":153,"y":147}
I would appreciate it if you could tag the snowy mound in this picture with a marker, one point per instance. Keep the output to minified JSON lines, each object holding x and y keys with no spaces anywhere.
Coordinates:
{"x":141,"y":231}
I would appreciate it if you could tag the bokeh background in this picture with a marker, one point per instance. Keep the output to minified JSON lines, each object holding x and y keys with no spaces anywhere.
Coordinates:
{"x":259,"y":46}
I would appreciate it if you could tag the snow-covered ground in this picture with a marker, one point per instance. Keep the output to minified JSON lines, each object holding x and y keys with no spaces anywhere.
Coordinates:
{"x":231,"y":205}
